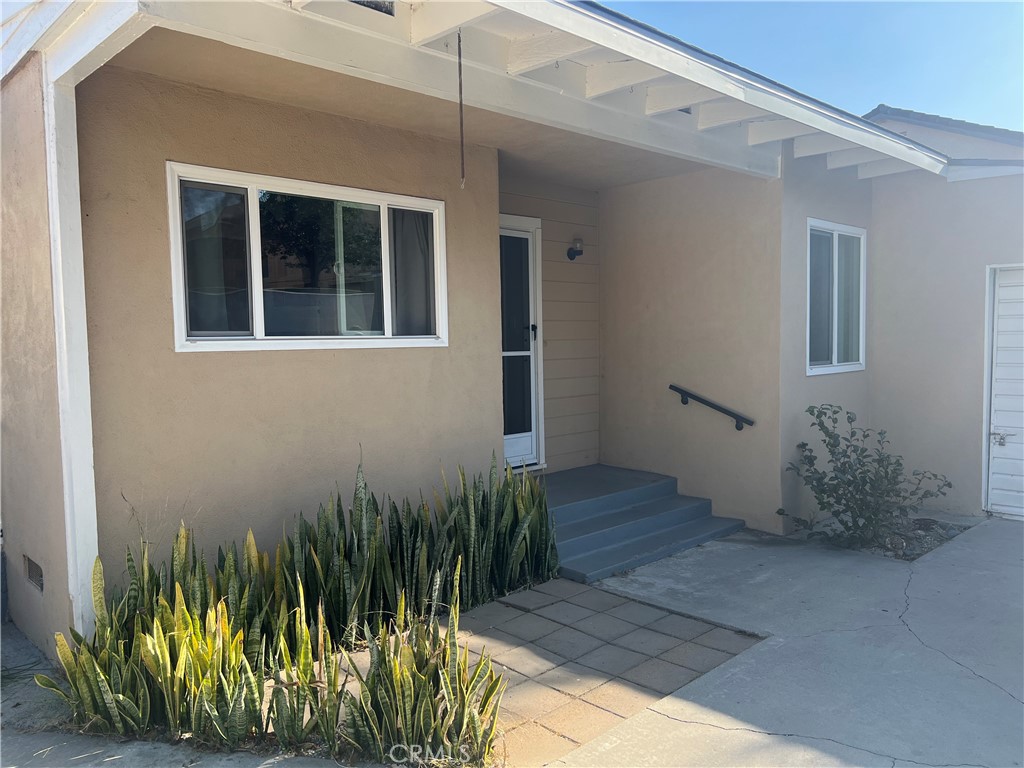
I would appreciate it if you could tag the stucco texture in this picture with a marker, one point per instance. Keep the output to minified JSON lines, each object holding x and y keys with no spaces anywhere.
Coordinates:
{"x":690,"y":296}
{"x":812,"y":191}
{"x":32,"y":496}
{"x":233,"y":440}
{"x":926,"y":322}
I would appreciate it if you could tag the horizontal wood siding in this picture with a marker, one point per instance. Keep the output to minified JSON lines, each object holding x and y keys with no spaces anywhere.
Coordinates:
{"x":570,"y":315}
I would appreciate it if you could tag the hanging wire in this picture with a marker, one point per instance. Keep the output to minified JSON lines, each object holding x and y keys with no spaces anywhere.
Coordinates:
{"x":462,"y":121}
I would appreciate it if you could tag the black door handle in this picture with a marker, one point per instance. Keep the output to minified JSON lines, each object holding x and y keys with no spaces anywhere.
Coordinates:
{"x":533,"y":327}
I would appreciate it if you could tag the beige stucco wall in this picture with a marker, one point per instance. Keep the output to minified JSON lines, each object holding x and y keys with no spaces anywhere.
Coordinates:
{"x":690,"y":295}
{"x":570,"y":315}
{"x":931,"y":242}
{"x":32,"y":496}
{"x":811,"y":191}
{"x":233,"y":440}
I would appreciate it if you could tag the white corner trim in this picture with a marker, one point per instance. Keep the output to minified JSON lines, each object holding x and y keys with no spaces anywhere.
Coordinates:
{"x":73,"y":44}
{"x":986,"y":399}
{"x":74,"y":401}
{"x":30,"y":25}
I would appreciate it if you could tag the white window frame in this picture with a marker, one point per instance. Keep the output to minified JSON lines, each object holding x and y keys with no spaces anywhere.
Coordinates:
{"x":178,"y":172}
{"x":836,"y":229}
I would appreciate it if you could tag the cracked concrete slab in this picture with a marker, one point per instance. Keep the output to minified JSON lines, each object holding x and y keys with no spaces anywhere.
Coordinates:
{"x":655,"y":739}
{"x":868,"y":661}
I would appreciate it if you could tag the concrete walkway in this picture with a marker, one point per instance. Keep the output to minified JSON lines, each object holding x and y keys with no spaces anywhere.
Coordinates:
{"x":868,"y":661}
{"x":579,"y":660}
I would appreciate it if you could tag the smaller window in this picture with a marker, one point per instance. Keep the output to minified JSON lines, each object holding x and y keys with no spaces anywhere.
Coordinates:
{"x":835,"y":298}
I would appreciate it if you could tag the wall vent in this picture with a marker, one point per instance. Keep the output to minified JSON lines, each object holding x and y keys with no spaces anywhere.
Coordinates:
{"x":33,"y":572}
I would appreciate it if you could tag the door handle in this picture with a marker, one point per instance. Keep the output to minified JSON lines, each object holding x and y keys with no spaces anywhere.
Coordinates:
{"x":999,"y":438}
{"x":533,"y":327}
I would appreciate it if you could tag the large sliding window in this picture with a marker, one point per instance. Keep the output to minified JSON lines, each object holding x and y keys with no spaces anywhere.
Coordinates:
{"x":835,"y":297}
{"x":268,"y":263}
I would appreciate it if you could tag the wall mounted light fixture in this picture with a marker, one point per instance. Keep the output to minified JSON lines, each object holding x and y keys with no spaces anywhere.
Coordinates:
{"x":576,"y":249}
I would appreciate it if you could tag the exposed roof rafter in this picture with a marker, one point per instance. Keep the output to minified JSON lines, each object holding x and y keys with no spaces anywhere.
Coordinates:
{"x":883,"y":167}
{"x":819,"y":144}
{"x":766,"y":131}
{"x":432,"y":20}
{"x":616,"y":75}
{"x":609,"y":29}
{"x":676,"y":96}
{"x":844,"y":158}
{"x":528,"y":53}
{"x":715,"y":114}
{"x":275,"y":29}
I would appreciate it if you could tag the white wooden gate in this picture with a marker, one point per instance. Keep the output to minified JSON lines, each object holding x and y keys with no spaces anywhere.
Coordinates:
{"x":1004,"y":488}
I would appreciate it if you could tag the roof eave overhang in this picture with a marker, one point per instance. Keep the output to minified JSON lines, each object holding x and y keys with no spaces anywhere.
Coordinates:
{"x":604,"y":28}
{"x":79,"y":36}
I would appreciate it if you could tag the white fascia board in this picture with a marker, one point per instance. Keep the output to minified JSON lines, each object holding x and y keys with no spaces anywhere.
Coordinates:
{"x":102,"y":31}
{"x":276,"y":30}
{"x":605,"y":32}
{"x":29,"y":29}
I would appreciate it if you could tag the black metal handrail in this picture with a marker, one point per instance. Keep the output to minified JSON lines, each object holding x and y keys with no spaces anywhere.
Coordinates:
{"x":686,"y":396}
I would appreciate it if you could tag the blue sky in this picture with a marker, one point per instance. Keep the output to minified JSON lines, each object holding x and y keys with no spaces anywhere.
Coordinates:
{"x":962,"y":60}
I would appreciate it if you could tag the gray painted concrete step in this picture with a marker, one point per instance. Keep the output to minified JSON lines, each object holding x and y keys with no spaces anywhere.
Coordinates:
{"x":600,"y":531}
{"x":610,"y":519}
{"x":577,"y":493}
{"x":600,"y":564}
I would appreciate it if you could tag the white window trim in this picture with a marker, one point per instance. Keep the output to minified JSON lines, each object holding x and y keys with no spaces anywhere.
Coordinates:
{"x":842,"y":229}
{"x":177,"y":172}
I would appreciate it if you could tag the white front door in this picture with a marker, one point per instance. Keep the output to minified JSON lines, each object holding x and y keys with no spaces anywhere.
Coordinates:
{"x":520,"y":340}
{"x":1005,"y":471}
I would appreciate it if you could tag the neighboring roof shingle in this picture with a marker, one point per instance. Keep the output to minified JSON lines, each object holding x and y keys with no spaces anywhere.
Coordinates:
{"x":1004,"y":135}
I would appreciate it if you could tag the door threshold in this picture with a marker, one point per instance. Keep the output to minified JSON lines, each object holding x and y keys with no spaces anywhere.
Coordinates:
{"x":518,"y":470}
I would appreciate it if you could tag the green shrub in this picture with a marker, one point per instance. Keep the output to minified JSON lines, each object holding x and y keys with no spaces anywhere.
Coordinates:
{"x":864,"y":490}
{"x":421,"y":700}
{"x":108,"y":691}
{"x":307,"y":696}
{"x":178,"y":672}
{"x":358,"y":563}
{"x":355,"y":562}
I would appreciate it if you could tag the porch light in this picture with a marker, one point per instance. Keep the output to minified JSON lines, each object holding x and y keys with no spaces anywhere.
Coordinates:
{"x":576,"y":249}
